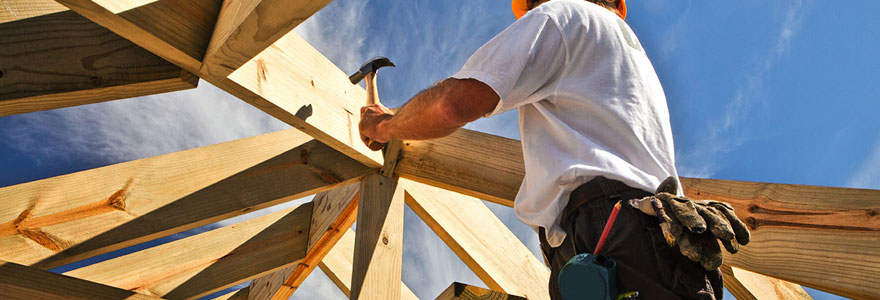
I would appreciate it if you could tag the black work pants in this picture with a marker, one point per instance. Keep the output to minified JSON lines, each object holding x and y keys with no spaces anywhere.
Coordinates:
{"x":645,"y":263}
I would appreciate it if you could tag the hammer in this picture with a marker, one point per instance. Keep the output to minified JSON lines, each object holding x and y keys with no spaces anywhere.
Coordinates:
{"x":368,"y":71}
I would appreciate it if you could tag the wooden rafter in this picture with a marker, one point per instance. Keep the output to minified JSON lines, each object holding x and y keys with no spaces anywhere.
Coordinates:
{"x":485,"y":244}
{"x":14,"y":10}
{"x":212,"y":261}
{"x":59,"y":220}
{"x":333,"y":214}
{"x":802,"y":234}
{"x":291,"y":80}
{"x":338,"y":262}
{"x":378,"y":249}
{"x":745,"y":285}
{"x":181,"y":37}
{"x":19,"y":282}
{"x":246,"y":27}
{"x":62,"y":59}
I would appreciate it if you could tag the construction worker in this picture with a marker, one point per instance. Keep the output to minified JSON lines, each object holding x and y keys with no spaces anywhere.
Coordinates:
{"x":595,"y":129}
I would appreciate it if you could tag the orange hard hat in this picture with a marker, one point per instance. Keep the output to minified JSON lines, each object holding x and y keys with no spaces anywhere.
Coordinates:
{"x":520,"y":7}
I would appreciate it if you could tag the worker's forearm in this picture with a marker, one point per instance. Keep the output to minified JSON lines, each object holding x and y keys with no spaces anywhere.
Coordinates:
{"x":425,"y":116}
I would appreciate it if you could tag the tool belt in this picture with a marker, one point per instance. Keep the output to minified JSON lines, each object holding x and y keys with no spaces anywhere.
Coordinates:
{"x":598,"y":188}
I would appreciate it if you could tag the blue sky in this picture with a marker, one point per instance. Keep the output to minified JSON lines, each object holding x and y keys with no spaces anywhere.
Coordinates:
{"x":771,"y":91}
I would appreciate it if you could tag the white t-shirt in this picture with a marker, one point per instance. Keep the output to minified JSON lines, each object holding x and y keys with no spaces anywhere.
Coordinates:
{"x":590,"y":104}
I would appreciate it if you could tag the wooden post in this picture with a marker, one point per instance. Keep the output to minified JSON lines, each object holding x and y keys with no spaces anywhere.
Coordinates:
{"x":745,"y":285}
{"x":461,"y":291}
{"x":339,"y":261}
{"x":379,"y":239}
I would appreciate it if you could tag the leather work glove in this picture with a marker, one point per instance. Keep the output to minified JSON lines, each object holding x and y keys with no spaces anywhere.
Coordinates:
{"x":694,"y":225}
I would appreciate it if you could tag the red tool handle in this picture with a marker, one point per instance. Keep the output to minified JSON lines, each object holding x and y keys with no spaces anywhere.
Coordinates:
{"x":607,"y":229}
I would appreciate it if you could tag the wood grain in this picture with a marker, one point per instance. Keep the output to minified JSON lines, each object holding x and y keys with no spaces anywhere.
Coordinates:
{"x":59,"y":220}
{"x":295,"y":83}
{"x":211,"y":261}
{"x":181,"y":37}
{"x":333,"y":213}
{"x":461,"y":291}
{"x":745,"y":285}
{"x":339,"y":261}
{"x":479,"y":238}
{"x":378,"y":240}
{"x":826,"y":238}
{"x":19,"y":282}
{"x":14,"y":10}
{"x":289,"y":80}
{"x":246,"y":27}
{"x":63,"y":59}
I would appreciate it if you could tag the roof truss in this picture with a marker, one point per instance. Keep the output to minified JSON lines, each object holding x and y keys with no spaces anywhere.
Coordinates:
{"x":802,"y":234}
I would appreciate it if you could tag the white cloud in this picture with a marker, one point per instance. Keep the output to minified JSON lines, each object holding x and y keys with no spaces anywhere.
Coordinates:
{"x":724,"y":135}
{"x":868,"y":175}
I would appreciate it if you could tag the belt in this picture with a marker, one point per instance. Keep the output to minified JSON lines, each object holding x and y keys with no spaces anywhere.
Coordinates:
{"x":598,"y":188}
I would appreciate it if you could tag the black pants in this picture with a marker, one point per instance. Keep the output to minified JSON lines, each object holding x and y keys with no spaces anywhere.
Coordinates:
{"x":645,"y":263}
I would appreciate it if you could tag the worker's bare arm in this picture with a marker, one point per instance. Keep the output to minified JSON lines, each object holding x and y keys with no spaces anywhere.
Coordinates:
{"x":433,"y":113}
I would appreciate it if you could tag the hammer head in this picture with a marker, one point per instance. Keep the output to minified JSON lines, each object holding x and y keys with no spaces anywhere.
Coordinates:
{"x":369,"y":67}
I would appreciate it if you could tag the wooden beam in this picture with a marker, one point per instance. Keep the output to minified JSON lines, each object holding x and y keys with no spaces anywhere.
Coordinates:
{"x":181,"y":37}
{"x":339,"y":261}
{"x":212,"y":261}
{"x":821,"y":237}
{"x":461,"y":291}
{"x":59,"y":220}
{"x":295,"y":83}
{"x":379,"y":239}
{"x":246,"y":27}
{"x":14,"y":10}
{"x":473,"y":163}
{"x":63,"y":59}
{"x":745,"y":285}
{"x":826,"y":238}
{"x":333,"y":213}
{"x":19,"y":282}
{"x":241,"y":294}
{"x":290,"y":80}
{"x":482,"y":242}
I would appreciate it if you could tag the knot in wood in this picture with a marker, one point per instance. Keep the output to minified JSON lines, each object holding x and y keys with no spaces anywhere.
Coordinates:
{"x":752,"y":223}
{"x":385,"y":240}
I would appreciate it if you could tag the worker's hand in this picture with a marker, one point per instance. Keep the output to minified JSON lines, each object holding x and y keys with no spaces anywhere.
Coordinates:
{"x":684,"y":222}
{"x":372,"y":133}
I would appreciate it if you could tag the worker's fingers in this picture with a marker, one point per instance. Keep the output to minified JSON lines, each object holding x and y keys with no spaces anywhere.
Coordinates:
{"x":375,"y":146}
{"x":731,"y":246}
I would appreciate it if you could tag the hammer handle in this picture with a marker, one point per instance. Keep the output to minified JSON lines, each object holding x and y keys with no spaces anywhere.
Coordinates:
{"x":372,"y":89}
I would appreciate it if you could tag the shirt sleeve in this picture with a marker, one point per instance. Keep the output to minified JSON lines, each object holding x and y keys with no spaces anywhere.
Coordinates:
{"x":519,"y":61}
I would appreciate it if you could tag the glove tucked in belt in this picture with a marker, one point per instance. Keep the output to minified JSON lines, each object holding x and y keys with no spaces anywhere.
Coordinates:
{"x":685,"y":222}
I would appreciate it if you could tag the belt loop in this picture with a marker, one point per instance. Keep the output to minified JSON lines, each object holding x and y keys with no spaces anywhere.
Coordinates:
{"x":609,"y":192}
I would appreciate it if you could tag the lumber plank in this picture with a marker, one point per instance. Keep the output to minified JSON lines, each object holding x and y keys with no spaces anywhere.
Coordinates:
{"x":241,"y":294}
{"x":479,"y":238}
{"x":745,"y":285}
{"x":59,"y":220}
{"x":473,"y":163}
{"x":826,"y":238}
{"x":333,"y":213}
{"x":246,"y":27}
{"x":461,"y":291}
{"x":63,"y":59}
{"x":14,"y":10}
{"x":289,"y":80}
{"x":18,"y":282}
{"x":378,"y":240}
{"x":211,"y":261}
{"x":339,"y":261}
{"x":295,"y":83}
{"x":821,"y":237}
{"x":181,"y":37}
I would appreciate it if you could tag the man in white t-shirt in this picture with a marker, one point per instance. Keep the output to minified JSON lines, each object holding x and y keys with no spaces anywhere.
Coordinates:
{"x":595,"y":129}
